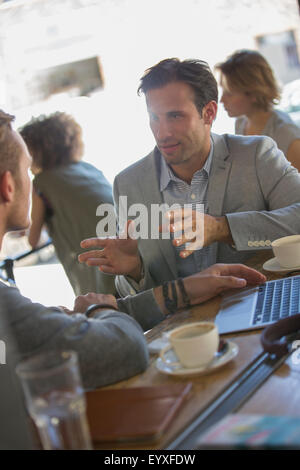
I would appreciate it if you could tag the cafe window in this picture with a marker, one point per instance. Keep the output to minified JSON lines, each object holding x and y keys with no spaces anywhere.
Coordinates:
{"x":281,"y":51}
{"x":72,"y":79}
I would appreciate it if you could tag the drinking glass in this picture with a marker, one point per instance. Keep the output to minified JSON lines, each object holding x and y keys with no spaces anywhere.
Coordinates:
{"x":55,"y":400}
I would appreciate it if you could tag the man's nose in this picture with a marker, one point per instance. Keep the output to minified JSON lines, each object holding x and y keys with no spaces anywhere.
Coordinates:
{"x":163,"y":131}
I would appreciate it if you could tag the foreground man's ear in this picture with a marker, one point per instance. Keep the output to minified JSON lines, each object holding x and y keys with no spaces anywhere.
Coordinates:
{"x":7,"y":187}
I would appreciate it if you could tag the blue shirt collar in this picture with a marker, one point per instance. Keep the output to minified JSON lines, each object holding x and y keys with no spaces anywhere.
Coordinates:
{"x":167,"y":175}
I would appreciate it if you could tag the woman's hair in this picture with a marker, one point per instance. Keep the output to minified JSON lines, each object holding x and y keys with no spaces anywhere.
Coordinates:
{"x":248,"y":72}
{"x":53,"y":140}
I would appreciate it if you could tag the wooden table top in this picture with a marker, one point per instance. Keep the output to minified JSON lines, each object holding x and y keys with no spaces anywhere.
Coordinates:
{"x":279,"y":394}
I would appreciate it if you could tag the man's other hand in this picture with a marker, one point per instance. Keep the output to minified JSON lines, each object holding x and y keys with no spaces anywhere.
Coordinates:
{"x":195,"y":230}
{"x":219,"y":278}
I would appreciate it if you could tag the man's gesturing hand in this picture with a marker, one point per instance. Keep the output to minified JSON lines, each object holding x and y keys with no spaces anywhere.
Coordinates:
{"x":117,"y":255}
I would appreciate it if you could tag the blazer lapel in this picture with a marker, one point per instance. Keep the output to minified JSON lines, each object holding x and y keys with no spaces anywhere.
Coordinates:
{"x":218,"y":177}
{"x":150,"y":189}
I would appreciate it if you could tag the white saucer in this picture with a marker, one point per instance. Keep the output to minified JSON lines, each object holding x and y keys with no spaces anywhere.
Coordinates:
{"x":273,"y":265}
{"x":220,"y":359}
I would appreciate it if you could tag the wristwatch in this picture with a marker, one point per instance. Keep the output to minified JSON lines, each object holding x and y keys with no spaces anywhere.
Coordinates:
{"x":93,"y":307}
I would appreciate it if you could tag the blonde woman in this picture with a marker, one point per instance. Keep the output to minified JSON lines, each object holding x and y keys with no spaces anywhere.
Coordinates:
{"x":250,"y":92}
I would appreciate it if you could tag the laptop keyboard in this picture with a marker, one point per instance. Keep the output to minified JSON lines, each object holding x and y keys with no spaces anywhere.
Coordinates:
{"x":277,"y":299}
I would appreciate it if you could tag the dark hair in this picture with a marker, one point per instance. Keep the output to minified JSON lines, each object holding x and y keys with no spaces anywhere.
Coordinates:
{"x":195,"y":73}
{"x":9,"y":148}
{"x":248,"y":72}
{"x":53,"y":140}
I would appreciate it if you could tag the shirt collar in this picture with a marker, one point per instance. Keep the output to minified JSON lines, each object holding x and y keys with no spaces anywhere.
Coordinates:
{"x":167,"y":175}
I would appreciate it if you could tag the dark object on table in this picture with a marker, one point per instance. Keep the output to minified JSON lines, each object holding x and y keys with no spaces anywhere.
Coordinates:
{"x":271,"y":337}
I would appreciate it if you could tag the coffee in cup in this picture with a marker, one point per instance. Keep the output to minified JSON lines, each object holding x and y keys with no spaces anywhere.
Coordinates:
{"x":287,"y":251}
{"x":194,"y":344}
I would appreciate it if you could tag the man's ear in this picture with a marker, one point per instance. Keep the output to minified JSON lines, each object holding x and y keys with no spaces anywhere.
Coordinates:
{"x":7,"y":187}
{"x":209,"y":112}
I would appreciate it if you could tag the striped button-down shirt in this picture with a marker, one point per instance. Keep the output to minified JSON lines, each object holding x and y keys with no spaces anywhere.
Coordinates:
{"x":177,"y":191}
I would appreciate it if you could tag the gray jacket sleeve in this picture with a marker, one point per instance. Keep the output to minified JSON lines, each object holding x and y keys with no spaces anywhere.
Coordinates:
{"x":143,"y":308}
{"x":279,"y":183}
{"x":125,"y":285}
{"x":111,"y":346}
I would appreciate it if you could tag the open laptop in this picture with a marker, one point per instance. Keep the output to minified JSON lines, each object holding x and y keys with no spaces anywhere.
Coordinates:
{"x":257,"y":307}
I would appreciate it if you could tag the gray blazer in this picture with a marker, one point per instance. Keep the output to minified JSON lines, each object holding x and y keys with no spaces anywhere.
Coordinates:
{"x":110,"y":346}
{"x":250,"y":181}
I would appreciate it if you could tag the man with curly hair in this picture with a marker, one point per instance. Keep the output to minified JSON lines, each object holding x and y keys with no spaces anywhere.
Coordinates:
{"x":66,"y":194}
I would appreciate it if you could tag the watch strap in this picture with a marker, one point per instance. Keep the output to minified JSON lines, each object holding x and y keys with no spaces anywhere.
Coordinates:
{"x":93,"y":307}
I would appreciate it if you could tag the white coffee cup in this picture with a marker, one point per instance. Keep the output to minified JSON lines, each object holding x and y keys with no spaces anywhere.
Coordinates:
{"x":195,"y":344}
{"x":287,"y":251}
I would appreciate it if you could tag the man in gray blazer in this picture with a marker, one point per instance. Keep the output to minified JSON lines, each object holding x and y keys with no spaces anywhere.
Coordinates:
{"x":250,"y":192}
